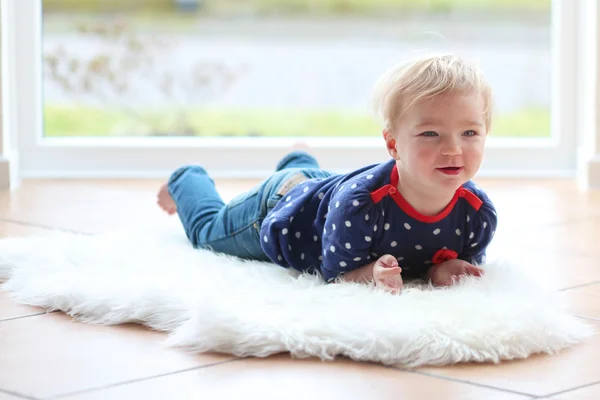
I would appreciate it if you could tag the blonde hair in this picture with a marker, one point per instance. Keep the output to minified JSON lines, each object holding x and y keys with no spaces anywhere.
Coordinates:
{"x":423,"y":78}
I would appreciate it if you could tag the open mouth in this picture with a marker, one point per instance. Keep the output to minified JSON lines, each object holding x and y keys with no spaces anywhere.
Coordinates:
{"x":450,"y":170}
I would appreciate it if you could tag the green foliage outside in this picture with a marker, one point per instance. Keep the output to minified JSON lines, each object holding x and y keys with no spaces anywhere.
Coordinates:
{"x":80,"y":121}
{"x":297,"y":6}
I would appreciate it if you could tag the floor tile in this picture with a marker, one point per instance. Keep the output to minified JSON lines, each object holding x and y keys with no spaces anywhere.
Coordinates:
{"x":47,"y":355}
{"x":9,"y":229}
{"x":281,"y":377}
{"x":6,"y":396}
{"x":530,"y":203}
{"x":587,"y":393}
{"x":9,"y":309}
{"x":576,"y":237}
{"x":556,"y":269}
{"x":539,"y":375}
{"x":116,"y":204}
{"x":586,"y":301}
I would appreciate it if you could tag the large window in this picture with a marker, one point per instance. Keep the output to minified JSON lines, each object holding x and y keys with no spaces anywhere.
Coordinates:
{"x":302,"y":68}
{"x":138,"y":87}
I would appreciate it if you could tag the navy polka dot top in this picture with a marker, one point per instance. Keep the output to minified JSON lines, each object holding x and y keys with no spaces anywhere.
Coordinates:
{"x":337,"y":224}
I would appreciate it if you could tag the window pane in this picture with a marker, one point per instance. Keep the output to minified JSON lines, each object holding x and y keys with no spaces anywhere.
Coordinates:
{"x":276,"y":67}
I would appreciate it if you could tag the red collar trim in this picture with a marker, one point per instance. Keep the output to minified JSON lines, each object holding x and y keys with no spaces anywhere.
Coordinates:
{"x":391,"y":190}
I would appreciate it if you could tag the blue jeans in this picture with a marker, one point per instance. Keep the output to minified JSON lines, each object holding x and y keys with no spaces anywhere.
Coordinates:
{"x":234,"y":228}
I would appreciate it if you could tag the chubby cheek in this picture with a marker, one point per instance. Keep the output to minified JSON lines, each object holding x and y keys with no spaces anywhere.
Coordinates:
{"x":421,"y":160}
{"x":473,"y":156}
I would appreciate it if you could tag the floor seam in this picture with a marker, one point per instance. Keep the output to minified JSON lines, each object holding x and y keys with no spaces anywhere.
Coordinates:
{"x":34,"y":225}
{"x":553,"y":224}
{"x":573,"y":389}
{"x":17,"y":394}
{"x":95,"y":389}
{"x":584,"y":317}
{"x":432,"y":375}
{"x":580,"y":286}
{"x":27,"y":316}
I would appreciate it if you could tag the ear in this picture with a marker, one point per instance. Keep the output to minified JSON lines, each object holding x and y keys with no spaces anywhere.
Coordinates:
{"x":390,"y":144}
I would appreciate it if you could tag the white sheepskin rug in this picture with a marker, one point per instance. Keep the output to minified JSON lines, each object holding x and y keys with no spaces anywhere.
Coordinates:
{"x":210,"y":302}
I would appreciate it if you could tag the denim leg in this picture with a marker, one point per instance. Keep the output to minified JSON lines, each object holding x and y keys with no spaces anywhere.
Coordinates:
{"x":297,"y":159}
{"x":234,"y":228}
{"x":208,"y":223}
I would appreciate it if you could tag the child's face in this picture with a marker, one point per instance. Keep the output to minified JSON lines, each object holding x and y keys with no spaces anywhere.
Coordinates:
{"x":439,"y":142}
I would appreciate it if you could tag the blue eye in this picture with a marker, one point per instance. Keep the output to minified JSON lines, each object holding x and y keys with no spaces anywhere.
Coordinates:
{"x":429,"y":134}
{"x":469,"y":133}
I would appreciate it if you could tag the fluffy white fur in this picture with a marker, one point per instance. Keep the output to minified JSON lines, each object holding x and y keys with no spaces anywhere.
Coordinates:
{"x":209,"y":302}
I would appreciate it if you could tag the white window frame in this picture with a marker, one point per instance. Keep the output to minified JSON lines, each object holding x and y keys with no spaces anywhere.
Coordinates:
{"x":255,"y":157}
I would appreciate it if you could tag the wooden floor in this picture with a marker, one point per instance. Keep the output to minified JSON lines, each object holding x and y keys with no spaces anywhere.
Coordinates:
{"x":551,"y":225}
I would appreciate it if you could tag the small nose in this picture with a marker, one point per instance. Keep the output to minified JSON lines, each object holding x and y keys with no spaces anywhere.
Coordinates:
{"x":451,"y":147}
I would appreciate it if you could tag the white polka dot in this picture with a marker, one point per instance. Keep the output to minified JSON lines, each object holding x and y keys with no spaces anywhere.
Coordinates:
{"x":302,"y":256}
{"x":356,"y":258}
{"x":291,"y":219}
{"x":279,"y":257}
{"x":332,"y":248}
{"x":306,"y":189}
{"x":343,"y":264}
{"x":468,"y":218}
{"x":375,"y":254}
{"x":266,"y":239}
{"x":298,"y":235}
{"x":353,"y":186}
{"x":400,"y":258}
{"x":302,"y":209}
{"x":386,"y":226}
{"x":337,"y":203}
{"x":368,"y":238}
{"x":291,"y":204}
{"x":394,"y":244}
{"x":320,"y":258}
{"x":366,"y":217}
{"x":329,"y":208}
{"x":418,"y":247}
{"x":406,"y":225}
{"x":284,"y":231}
{"x":348,"y":224}
{"x":484,"y":225}
{"x":494,"y":212}
{"x":330,"y":279}
{"x":315,"y":238}
{"x":474,"y":244}
{"x":324,"y":231}
{"x":288,"y":198}
{"x":355,"y":203}
{"x":289,"y":247}
{"x":325,"y":216}
{"x":321,"y":195}
{"x":437,"y":231}
{"x":341,"y":188}
{"x":383,"y":213}
{"x":369,"y":176}
{"x":457,"y":231}
{"x":493,"y":233}
{"x":471,"y":235}
{"x":333,"y":226}
{"x":348,"y":245}
{"x":445,"y":247}
{"x":375,"y":228}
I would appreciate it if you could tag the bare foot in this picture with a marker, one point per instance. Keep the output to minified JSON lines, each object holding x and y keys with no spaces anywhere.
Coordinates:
{"x":165,"y":201}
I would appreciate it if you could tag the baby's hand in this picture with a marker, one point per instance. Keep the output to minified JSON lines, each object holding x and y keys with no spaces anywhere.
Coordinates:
{"x":386,"y":274}
{"x":449,"y":272}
